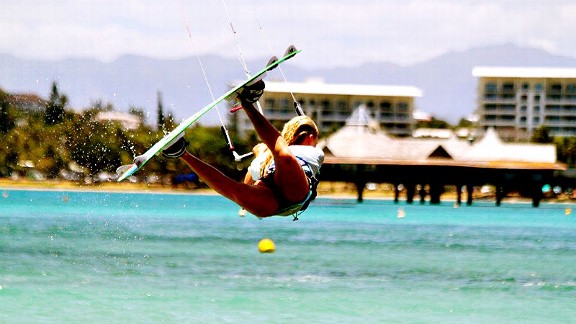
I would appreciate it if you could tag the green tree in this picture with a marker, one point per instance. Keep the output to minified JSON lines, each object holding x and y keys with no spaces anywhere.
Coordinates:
{"x":160,"y":118}
{"x":6,"y":118}
{"x":138,"y":112}
{"x":169,"y":122}
{"x":99,"y":105}
{"x":433,"y":123}
{"x":465,"y":123}
{"x":542,"y":135}
{"x":54,"y":112}
{"x":566,"y":150}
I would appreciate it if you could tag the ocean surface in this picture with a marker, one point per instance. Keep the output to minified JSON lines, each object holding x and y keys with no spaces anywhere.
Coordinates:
{"x":72,"y":257}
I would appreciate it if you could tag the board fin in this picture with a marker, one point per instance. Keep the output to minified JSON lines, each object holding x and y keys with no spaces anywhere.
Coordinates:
{"x":272,"y":60}
{"x":291,"y":49}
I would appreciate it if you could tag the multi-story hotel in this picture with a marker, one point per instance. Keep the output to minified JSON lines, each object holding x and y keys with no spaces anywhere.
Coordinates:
{"x":331,"y":104}
{"x":517,"y":101}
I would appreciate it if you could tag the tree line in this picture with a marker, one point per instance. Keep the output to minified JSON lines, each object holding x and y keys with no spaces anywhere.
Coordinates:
{"x":56,"y":142}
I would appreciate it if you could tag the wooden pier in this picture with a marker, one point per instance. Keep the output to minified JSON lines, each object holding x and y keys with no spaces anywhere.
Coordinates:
{"x":526,"y":179}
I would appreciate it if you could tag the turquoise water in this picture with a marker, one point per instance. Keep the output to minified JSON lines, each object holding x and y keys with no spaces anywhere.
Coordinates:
{"x":142,"y":258}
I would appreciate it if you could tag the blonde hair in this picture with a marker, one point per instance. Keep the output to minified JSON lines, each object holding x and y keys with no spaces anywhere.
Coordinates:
{"x":298,"y":126}
{"x":293,"y":132}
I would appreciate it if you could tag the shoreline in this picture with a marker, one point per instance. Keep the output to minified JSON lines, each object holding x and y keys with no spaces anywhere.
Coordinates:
{"x":329,"y":190}
{"x":124,"y":187}
{"x":113,"y":187}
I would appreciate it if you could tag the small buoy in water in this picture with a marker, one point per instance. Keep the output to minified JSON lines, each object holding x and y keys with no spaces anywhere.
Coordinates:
{"x":266,"y":246}
{"x":401,"y":213}
{"x":567,"y":211}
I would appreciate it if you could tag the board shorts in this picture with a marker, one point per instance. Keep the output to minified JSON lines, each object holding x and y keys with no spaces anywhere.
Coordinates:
{"x":288,"y":208}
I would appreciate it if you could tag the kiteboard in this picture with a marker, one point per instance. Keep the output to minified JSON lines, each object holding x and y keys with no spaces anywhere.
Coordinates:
{"x":125,"y":171}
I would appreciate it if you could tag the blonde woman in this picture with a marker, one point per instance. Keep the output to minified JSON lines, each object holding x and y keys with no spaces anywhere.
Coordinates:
{"x":284,"y":178}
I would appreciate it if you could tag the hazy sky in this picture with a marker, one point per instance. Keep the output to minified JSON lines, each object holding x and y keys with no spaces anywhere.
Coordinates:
{"x":330,"y":32}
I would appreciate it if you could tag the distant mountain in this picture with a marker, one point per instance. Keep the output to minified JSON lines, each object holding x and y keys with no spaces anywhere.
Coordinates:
{"x":447,"y":81}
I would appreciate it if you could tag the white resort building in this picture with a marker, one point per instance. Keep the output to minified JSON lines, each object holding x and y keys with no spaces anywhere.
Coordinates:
{"x":330,"y":105}
{"x":516,"y":101}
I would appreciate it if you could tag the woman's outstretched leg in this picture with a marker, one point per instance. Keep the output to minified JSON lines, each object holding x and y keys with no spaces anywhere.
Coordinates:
{"x":256,"y":199}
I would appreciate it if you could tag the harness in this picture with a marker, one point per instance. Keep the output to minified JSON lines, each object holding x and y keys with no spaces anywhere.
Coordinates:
{"x":288,"y":208}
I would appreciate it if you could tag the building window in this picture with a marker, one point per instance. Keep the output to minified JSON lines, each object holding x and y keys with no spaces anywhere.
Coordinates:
{"x":490,"y":87}
{"x":553,"y":108}
{"x":326,"y":108}
{"x":401,"y":116}
{"x":571,"y":91}
{"x":490,"y":107}
{"x":555,"y":87}
{"x":508,"y":86}
{"x":385,"y":106}
{"x":490,"y":91}
{"x":554,"y":91}
{"x":508,"y":91}
{"x":269,"y":104}
{"x":538,"y":87}
{"x":342,"y":108}
{"x":284,"y":106}
{"x":508,"y":108}
{"x":371,"y":109}
{"x":525,"y":86}
{"x":402,"y":107}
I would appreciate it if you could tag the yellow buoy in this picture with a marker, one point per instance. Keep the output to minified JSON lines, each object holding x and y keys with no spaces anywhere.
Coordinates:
{"x":567,"y":211}
{"x":266,"y":246}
